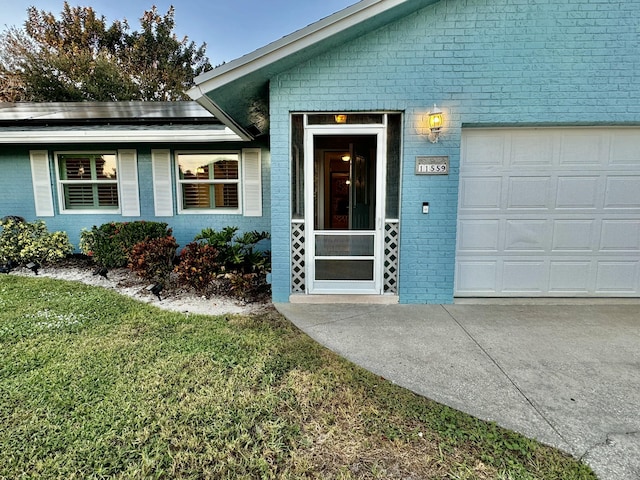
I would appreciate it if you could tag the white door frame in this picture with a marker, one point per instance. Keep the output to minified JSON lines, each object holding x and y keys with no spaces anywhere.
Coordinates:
{"x":348,"y":287}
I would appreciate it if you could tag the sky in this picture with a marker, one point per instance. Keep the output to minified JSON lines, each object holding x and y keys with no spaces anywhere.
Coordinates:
{"x":230,"y":28}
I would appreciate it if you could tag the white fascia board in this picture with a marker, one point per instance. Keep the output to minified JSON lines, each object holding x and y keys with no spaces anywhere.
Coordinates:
{"x":295,"y":42}
{"x":146,"y":136}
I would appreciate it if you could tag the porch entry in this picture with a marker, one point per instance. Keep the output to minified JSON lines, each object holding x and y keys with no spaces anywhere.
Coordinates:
{"x":343,"y":241}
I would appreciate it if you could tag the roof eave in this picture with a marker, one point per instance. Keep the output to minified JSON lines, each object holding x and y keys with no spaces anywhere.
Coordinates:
{"x":263,"y":60}
{"x":196,"y":94}
{"x":294,"y":42}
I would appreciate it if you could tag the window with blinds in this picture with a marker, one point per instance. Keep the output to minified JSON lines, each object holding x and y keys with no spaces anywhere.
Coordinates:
{"x":88,"y":181}
{"x":209,"y":180}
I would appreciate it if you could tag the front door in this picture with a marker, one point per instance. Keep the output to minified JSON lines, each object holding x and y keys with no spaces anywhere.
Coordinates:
{"x":344,"y":209}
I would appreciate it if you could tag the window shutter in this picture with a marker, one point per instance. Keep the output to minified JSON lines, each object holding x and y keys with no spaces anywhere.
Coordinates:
{"x":41,"y":179}
{"x":128,"y":179}
{"x":162,"y":187}
{"x":252,"y":182}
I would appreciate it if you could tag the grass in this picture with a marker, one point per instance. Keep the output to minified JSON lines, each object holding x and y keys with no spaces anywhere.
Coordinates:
{"x":96,"y":385}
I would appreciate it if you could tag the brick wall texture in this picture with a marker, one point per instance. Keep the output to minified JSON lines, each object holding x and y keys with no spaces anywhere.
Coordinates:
{"x":485,"y":63}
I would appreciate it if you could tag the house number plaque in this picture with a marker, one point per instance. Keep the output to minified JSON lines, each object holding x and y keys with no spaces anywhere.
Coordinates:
{"x":432,"y":165}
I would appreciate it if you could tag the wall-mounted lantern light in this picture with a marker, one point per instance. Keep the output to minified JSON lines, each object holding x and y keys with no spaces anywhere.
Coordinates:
{"x":340,"y":118}
{"x":435,"y":121}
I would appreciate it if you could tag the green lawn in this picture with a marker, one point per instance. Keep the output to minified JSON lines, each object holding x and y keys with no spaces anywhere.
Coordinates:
{"x":96,"y":385}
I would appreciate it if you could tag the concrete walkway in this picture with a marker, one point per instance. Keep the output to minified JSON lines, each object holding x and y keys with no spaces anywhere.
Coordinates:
{"x":566,"y":375}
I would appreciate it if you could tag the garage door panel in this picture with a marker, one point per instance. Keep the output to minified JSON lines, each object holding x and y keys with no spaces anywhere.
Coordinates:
{"x":477,"y":276}
{"x":479,"y":235}
{"x":625,"y":149}
{"x":528,"y":193}
{"x":524,"y":277}
{"x":617,"y":277}
{"x":549,"y":212}
{"x":485,"y":150}
{"x":577,"y":193}
{"x":528,"y":150}
{"x":622,"y":192}
{"x":569,"y":277}
{"x":480,"y":193}
{"x":583,"y":149}
{"x":620,"y":235}
{"x":573,"y":235}
{"x":526,"y":236}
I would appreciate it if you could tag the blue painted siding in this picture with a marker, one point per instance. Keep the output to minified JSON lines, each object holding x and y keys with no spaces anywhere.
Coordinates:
{"x":16,"y":197}
{"x":503,"y":62}
{"x":16,"y":192}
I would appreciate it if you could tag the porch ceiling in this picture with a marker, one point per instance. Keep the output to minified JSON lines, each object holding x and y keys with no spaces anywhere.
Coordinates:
{"x":238,"y":92}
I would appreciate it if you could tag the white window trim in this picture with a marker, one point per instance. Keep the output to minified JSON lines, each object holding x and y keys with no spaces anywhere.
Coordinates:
{"x":60,"y":183}
{"x":208,"y":211}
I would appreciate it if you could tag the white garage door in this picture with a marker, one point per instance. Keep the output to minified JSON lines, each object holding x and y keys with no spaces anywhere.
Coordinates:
{"x":549,"y":212}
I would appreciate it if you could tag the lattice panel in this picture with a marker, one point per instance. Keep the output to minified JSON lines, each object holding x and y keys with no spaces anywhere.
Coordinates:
{"x":391,"y":249}
{"x":297,"y":258}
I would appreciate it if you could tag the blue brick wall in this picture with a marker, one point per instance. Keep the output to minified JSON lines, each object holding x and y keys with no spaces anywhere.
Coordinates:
{"x":280,"y":207}
{"x":16,"y":193}
{"x":500,"y":62}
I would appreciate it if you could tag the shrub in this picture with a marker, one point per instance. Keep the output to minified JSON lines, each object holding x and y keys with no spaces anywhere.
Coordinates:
{"x":248,"y":286}
{"x":23,"y":242}
{"x":153,"y":259}
{"x":12,"y":240}
{"x":111,"y":243}
{"x":232,"y":261}
{"x":198,"y":266}
{"x":237,"y":254}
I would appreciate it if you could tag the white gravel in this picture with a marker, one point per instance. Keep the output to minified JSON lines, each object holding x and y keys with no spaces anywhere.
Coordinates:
{"x":127,"y":283}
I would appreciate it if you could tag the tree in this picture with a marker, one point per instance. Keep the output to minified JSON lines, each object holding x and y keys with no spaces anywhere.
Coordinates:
{"x":12,"y":87}
{"x":166,"y":66}
{"x":79,"y":57}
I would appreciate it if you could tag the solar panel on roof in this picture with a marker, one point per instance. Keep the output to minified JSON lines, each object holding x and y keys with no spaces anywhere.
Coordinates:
{"x":25,"y":111}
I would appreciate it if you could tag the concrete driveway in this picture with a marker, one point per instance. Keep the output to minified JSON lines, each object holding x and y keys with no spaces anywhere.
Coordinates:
{"x":567,"y":375}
